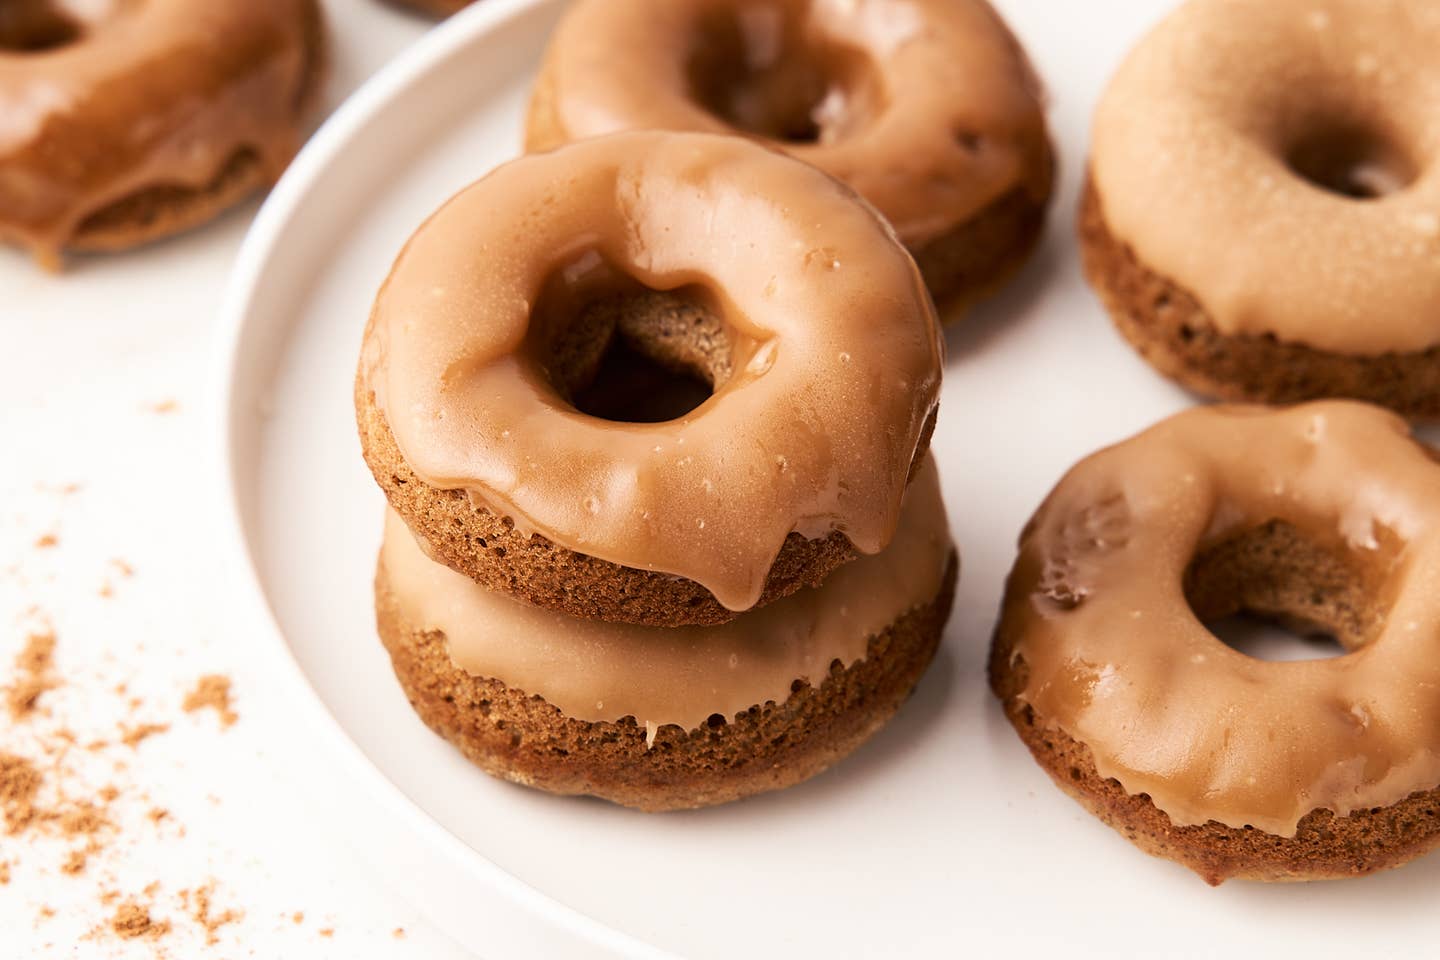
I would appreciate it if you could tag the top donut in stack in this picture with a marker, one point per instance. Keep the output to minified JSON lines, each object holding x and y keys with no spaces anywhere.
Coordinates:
{"x":651,"y":412}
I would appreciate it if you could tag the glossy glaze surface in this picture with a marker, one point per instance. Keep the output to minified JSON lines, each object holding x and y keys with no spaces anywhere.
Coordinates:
{"x":834,"y":356}
{"x":1118,"y":660}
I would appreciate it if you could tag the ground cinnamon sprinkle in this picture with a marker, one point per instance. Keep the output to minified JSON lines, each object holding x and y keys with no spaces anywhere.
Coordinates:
{"x":132,"y":920}
{"x":75,"y":863}
{"x":35,"y":674}
{"x":19,"y":783}
{"x":132,"y":736}
{"x":201,"y":912}
{"x":212,"y":691}
{"x":72,"y":801}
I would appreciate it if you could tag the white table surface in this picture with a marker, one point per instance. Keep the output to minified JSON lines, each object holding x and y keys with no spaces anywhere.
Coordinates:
{"x":87,"y":357}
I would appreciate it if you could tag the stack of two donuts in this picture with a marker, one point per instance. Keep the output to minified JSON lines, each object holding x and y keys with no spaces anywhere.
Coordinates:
{"x":589,"y":583}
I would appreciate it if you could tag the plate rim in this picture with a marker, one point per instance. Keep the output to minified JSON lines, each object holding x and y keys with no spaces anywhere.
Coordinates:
{"x":233,"y":341}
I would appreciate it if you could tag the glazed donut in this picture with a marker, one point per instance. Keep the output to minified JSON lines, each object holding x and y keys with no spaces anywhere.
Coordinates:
{"x":928,"y":108}
{"x":1263,"y":211}
{"x":784,"y":300}
{"x":1325,"y":516}
{"x":129,"y":120}
{"x":663,"y":718}
{"x":435,"y":8}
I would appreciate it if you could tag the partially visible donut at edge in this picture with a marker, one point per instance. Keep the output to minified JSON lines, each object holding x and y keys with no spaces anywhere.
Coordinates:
{"x":149,"y":119}
{"x":1323,"y":516}
{"x":1262,"y":212}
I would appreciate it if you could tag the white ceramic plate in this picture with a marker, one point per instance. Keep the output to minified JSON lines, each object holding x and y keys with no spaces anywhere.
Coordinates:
{"x":941,"y":832}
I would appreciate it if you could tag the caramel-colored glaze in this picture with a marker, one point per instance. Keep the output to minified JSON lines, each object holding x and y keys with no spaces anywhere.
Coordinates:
{"x":597,"y":671}
{"x":148,"y":93}
{"x":1117,"y":659}
{"x":836,"y":356}
{"x":928,"y":108}
{"x":1199,"y":143}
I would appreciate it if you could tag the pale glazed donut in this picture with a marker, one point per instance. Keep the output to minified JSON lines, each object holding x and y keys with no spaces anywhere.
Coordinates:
{"x":809,"y":321}
{"x":928,"y":108}
{"x":1326,"y":515}
{"x":1263,"y":217}
{"x":122,"y":121}
{"x":669,"y":717}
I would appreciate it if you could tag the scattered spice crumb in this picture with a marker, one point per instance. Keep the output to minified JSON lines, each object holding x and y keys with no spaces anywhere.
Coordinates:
{"x":212,"y":691}
{"x":398,"y":933}
{"x":83,"y":820}
{"x":19,"y":783}
{"x":34,"y":667}
{"x":132,"y":920}
{"x":75,"y":863}
{"x":327,"y":932}
{"x":132,"y":736}
{"x":210,"y":922}
{"x":121,"y":567}
{"x":297,"y":917}
{"x":164,"y":406}
{"x":157,"y":814}
{"x":46,"y":540}
{"x":4,"y":872}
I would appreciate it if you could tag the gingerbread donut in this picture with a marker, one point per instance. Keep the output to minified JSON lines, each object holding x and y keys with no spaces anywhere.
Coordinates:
{"x":1263,"y":213}
{"x":497,"y":396}
{"x":928,"y":108}
{"x":122,"y":122}
{"x":1326,"y":516}
{"x":664,"y":718}
{"x":435,"y":8}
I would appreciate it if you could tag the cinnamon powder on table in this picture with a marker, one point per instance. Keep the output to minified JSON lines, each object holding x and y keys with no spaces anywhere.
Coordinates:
{"x":212,"y":692}
{"x":132,"y":920}
{"x":35,"y":675}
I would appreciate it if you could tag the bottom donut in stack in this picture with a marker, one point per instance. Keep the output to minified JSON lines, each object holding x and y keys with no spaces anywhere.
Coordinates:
{"x":662,"y":718}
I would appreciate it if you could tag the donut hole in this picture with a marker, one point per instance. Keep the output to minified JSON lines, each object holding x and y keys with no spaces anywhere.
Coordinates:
{"x":1351,"y":160}
{"x":35,"y":26}
{"x":1273,"y":593}
{"x":759,"y":68}
{"x":616,"y":350}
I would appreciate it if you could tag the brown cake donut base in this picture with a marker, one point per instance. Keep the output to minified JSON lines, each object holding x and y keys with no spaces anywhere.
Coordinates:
{"x":164,"y":211}
{"x":434,"y":8}
{"x":521,"y":738}
{"x":1175,"y":334}
{"x":1275,"y":571}
{"x":976,"y":259}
